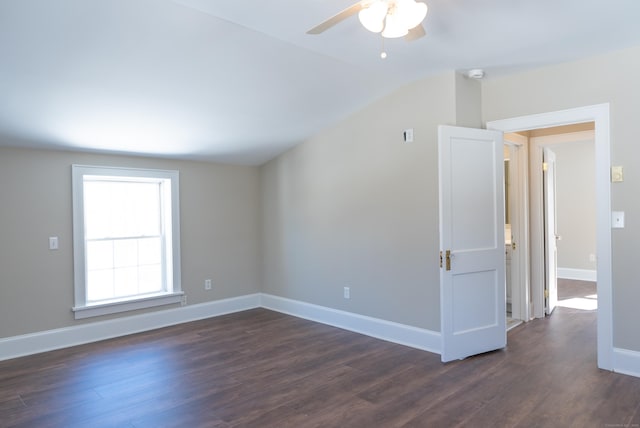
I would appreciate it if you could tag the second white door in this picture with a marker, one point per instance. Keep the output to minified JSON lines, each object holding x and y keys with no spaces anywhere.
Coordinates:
{"x":472,"y":279}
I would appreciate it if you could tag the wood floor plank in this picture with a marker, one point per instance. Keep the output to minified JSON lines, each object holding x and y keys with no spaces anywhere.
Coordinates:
{"x":10,"y":404}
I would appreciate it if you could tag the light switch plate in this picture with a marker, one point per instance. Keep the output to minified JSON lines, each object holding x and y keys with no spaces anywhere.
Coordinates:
{"x":408,"y":135}
{"x":53,"y":242}
{"x":617,"y":219}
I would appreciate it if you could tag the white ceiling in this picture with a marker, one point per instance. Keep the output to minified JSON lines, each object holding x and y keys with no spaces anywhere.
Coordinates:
{"x":239,"y":81}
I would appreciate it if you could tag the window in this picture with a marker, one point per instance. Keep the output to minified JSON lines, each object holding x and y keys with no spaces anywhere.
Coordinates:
{"x":126,"y":239}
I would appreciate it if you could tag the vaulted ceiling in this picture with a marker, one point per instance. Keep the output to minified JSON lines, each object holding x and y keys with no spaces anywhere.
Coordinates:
{"x":240,"y":81}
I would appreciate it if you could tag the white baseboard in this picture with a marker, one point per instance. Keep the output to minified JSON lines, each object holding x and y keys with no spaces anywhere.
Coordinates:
{"x":578,"y":274}
{"x":49,"y":340}
{"x":414,"y":337}
{"x":626,"y":362}
{"x":18,"y":346}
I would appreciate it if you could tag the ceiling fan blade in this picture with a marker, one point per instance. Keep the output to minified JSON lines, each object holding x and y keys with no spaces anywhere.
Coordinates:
{"x":415,"y":33}
{"x":350,"y":11}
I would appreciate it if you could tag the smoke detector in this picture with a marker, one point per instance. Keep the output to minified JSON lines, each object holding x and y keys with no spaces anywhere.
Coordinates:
{"x":476,"y":73}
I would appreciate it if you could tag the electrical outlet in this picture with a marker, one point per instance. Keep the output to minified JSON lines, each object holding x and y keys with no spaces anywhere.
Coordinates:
{"x":617,"y":219}
{"x":207,"y":284}
{"x":592,"y":257}
{"x":347,"y":292}
{"x":184,"y":300}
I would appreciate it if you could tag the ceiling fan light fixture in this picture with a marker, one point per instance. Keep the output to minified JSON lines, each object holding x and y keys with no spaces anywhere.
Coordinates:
{"x":412,"y":13}
{"x":394,"y":27}
{"x":372,"y":17}
{"x":393,"y":17}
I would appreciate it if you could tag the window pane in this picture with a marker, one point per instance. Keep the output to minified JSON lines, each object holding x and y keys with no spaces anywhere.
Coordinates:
{"x":99,"y":255}
{"x":146,"y":209}
{"x":150,"y":278}
{"x":149,"y":251}
{"x":97,"y":210}
{"x":100,"y":285}
{"x":125,"y":253}
{"x":123,"y":267}
{"x":117,"y":209}
{"x":125,"y":281}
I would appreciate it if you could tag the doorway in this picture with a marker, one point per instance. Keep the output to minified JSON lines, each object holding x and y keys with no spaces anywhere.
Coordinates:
{"x":516,"y":229}
{"x":574,"y":145}
{"x":599,"y":115}
{"x":568,"y":203}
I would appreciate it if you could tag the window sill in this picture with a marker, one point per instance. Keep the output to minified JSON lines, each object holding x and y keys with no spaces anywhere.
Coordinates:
{"x":81,"y":312}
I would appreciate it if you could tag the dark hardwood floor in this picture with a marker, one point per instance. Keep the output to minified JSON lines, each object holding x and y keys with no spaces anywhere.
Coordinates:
{"x":569,"y":288}
{"x":264,"y":369}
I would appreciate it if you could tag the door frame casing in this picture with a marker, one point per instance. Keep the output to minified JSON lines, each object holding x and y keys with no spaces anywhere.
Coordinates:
{"x":550,"y":230}
{"x":599,"y":114}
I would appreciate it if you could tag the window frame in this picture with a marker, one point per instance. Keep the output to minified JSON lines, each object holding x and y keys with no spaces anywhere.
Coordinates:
{"x":173,"y":293}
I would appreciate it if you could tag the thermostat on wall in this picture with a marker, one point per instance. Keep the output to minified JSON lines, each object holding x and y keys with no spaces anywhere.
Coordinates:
{"x":617,"y":175}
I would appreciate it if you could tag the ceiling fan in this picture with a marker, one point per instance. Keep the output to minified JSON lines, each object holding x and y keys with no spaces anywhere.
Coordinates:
{"x":391,"y":18}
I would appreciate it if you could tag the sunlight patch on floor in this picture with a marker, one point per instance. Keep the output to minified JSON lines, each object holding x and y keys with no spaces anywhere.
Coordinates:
{"x":587,"y":303}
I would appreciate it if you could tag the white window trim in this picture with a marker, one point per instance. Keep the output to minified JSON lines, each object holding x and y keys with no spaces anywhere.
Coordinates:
{"x":174,"y":295}
{"x":81,"y":312}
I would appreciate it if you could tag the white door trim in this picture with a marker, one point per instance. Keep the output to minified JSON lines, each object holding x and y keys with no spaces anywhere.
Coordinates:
{"x":550,"y":230}
{"x":600,"y":115}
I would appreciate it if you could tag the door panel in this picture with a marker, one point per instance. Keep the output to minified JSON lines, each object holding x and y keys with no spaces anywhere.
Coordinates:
{"x":472,"y":283}
{"x":474,"y":301}
{"x":473,"y":217}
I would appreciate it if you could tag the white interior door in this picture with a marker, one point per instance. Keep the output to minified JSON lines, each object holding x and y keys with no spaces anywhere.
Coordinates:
{"x":472,"y":278}
{"x":550,"y":231}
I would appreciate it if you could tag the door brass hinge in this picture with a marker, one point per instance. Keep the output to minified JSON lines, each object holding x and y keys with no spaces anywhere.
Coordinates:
{"x":447,"y":259}
{"x":545,"y":166}
{"x":546,"y":293}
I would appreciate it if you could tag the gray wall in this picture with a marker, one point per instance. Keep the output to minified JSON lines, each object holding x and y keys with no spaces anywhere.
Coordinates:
{"x":609,"y":78}
{"x":220,"y":233}
{"x":576,"y":204}
{"x":357,"y":207}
